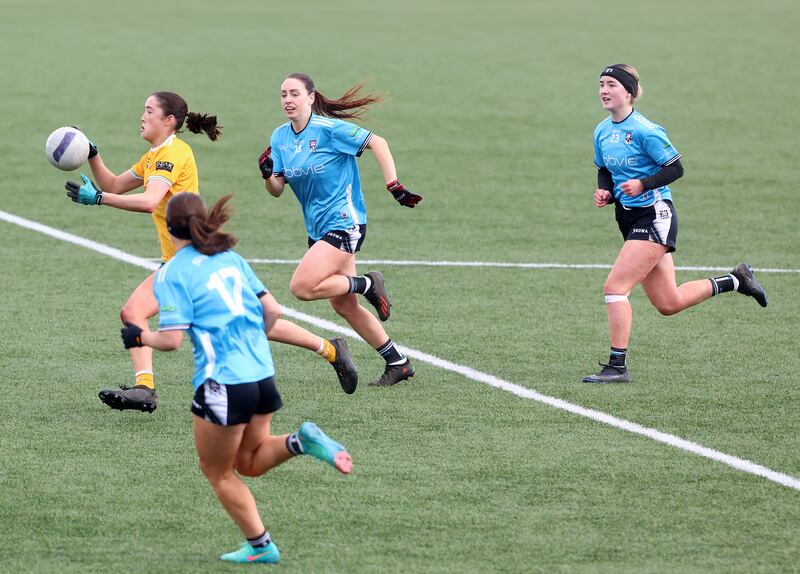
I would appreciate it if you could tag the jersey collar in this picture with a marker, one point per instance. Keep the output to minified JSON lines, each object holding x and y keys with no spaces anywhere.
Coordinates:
{"x":166,"y":142}
{"x":291,"y":127}
{"x":623,"y":120}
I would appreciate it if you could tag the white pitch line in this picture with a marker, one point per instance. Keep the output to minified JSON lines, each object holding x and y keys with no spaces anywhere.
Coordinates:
{"x":468,"y":372}
{"x":500,"y":264}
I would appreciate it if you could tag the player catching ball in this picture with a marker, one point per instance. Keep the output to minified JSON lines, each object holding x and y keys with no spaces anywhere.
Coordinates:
{"x":166,"y":169}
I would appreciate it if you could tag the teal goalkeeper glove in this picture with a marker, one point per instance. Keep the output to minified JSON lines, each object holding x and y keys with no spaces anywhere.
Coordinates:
{"x":86,"y":194}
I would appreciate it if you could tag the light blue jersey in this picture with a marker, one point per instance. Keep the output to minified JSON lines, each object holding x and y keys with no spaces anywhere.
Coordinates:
{"x":319,"y":164}
{"x":215,"y":298}
{"x":634,"y":148}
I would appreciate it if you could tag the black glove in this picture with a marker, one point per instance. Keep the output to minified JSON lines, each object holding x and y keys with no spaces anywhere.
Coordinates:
{"x":131,"y":335}
{"x":265,"y":163}
{"x":403,"y":195}
{"x":92,"y":147}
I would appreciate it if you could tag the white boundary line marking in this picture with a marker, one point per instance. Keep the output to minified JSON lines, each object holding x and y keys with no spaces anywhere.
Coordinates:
{"x":468,"y":372}
{"x":421,"y":263}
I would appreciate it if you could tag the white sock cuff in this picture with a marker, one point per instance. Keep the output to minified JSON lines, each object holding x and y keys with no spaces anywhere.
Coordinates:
{"x":616,"y":298}
{"x":145,"y":372}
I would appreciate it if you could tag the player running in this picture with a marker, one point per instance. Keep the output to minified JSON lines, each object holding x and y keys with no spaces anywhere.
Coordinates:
{"x":209,"y":291}
{"x":315,"y":153}
{"x":166,"y":169}
{"x":636,"y":162}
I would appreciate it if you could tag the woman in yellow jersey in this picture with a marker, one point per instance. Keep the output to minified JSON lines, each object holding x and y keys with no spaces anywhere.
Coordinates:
{"x":166,"y":169}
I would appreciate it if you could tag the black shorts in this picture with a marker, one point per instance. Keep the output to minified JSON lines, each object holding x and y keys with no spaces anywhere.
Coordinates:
{"x":657,"y":223}
{"x":227,"y":405}
{"x":349,"y":240}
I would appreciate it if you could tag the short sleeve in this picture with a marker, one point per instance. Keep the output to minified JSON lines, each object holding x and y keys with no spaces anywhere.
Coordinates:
{"x":250,"y":278}
{"x":349,"y":138}
{"x":658,"y":147}
{"x":175,"y":309}
{"x":137,"y":169}
{"x":277,"y":160}
{"x":598,"y":154}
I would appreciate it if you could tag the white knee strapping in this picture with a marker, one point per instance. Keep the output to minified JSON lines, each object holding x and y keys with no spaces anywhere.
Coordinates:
{"x":616,"y":298}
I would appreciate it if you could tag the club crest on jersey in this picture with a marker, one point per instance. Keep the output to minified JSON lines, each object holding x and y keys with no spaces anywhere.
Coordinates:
{"x":164,"y":166}
{"x":312,"y":145}
{"x":628,"y":138}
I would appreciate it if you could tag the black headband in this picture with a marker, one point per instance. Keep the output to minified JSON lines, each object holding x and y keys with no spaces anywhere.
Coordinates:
{"x":628,"y":80}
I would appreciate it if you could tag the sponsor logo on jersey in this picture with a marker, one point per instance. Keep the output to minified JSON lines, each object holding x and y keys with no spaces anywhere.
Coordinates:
{"x":664,"y":214}
{"x":611,"y":160}
{"x":164,"y":166}
{"x":640,"y":230}
{"x":302,"y":171}
{"x":312,"y":145}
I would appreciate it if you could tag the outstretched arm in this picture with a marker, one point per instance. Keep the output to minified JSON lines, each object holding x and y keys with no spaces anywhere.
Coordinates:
{"x":106,"y":179}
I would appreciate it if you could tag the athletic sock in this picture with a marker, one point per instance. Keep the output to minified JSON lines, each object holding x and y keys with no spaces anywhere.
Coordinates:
{"x":618,"y":357}
{"x":293,"y":444}
{"x":723,"y":284}
{"x":326,"y":350}
{"x":145,"y":379}
{"x":359,"y":284}
{"x":390,"y":353}
{"x":259,"y":541}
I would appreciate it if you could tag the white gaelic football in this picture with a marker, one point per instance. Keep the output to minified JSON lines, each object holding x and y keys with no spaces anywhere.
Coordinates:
{"x":67,"y":148}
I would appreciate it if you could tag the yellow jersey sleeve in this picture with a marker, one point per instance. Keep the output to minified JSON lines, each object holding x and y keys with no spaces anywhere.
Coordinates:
{"x":137,"y":170}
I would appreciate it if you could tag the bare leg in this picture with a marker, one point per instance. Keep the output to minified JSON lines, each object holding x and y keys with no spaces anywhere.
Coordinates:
{"x":217,"y":447}
{"x":635,"y":261}
{"x":260,"y":451}
{"x":322,"y":274}
{"x":666,"y":295}
{"x":140,"y":306}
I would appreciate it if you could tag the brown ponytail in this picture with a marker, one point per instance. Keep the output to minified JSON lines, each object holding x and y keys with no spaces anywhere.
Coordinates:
{"x":346,"y":107}
{"x":197,"y":123}
{"x":187,"y":219}
{"x":174,"y":105}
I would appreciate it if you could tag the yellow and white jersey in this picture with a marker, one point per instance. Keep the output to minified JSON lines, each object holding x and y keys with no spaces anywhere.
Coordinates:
{"x":171,"y":162}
